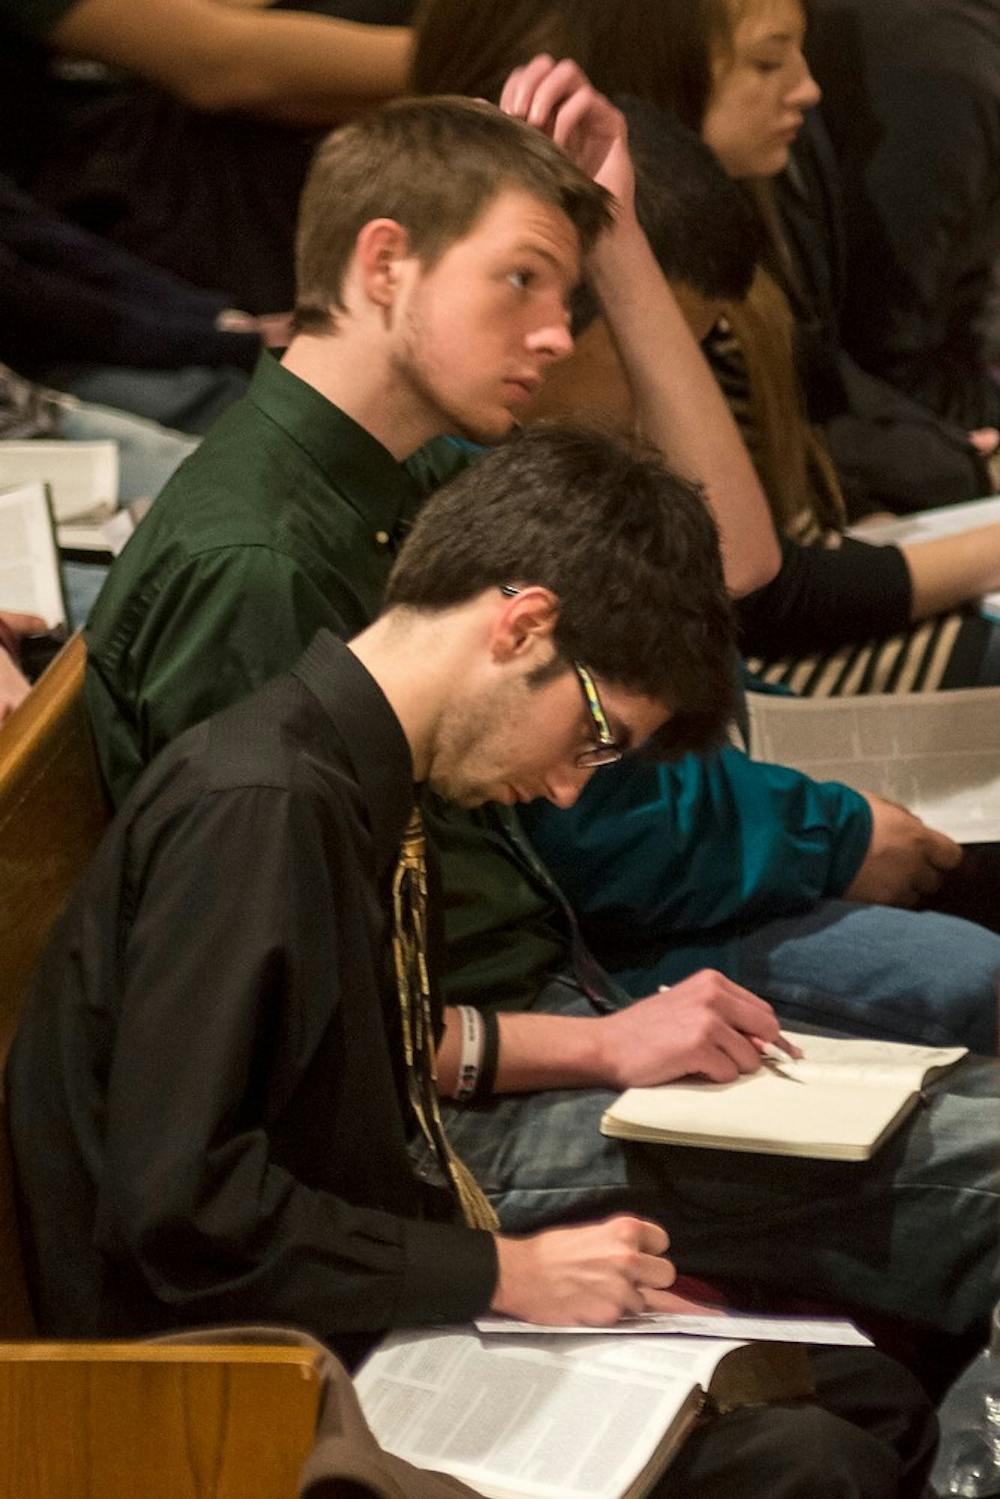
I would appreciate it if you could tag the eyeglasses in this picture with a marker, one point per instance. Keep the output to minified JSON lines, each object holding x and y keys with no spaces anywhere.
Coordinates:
{"x":606,"y":749}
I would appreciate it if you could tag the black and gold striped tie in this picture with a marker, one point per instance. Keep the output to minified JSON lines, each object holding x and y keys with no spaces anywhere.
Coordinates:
{"x":409,"y":945}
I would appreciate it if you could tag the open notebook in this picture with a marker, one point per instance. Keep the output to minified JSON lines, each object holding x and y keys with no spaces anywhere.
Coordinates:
{"x":839,"y":1102}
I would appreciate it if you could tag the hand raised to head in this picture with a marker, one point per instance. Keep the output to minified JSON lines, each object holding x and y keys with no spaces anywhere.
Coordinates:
{"x":559,"y":99}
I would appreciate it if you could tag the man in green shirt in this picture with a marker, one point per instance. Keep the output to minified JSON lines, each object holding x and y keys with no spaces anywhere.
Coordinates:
{"x":434,"y":300}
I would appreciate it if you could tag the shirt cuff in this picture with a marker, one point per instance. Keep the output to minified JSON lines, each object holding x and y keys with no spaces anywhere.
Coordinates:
{"x":449,"y":1273}
{"x":852,"y":819}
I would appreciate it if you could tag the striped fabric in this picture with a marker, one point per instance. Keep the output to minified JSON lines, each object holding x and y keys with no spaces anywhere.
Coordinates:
{"x":923,"y":659}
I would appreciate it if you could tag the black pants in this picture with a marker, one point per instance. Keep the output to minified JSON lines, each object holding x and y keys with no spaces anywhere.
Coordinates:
{"x":869,"y":1434}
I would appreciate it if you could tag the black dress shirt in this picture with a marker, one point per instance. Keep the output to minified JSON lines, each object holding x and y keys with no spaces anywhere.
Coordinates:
{"x":206,"y":1091}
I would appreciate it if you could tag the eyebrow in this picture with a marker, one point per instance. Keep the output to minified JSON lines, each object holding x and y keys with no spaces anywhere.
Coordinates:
{"x":526,"y":247}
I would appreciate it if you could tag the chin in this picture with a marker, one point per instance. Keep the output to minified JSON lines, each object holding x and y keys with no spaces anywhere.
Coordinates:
{"x":484,"y":429}
{"x":772,"y":162}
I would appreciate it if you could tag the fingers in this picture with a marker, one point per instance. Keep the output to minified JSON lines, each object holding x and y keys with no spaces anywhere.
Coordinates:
{"x":654,"y":1273}
{"x":649,"y":1237}
{"x":554,"y":97}
{"x":643,"y":1264}
{"x":669,"y":1301}
{"x":741,"y":1013}
{"x":943,"y":852}
{"x":23,"y":624}
{"x":518,"y":92}
{"x":704,"y":1025}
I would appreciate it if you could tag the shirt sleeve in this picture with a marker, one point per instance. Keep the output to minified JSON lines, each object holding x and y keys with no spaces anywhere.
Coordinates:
{"x":182,"y":647}
{"x":824,"y":597}
{"x":66,"y":295}
{"x":232,"y":970}
{"x":700,"y":844}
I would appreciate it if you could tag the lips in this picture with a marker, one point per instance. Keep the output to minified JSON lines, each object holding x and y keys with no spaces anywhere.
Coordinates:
{"x":521,"y":388}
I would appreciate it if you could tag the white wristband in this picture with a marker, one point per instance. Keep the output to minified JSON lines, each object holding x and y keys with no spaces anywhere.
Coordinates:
{"x":471,"y":1057}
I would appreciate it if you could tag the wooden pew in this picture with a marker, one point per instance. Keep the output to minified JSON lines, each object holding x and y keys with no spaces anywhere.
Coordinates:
{"x":155,"y":1421}
{"x":52,"y":813}
{"x":110,"y":1420}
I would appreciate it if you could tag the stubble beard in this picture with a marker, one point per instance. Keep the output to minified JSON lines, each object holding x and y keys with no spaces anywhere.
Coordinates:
{"x":422,"y":376}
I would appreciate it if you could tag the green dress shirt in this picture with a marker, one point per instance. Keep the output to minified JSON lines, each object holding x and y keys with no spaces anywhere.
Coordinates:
{"x":285,"y":520}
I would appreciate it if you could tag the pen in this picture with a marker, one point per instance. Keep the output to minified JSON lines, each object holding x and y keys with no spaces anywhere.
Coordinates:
{"x":772,"y":1053}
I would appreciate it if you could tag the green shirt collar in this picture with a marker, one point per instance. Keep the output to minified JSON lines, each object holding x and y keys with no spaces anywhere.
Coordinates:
{"x":354,"y":463}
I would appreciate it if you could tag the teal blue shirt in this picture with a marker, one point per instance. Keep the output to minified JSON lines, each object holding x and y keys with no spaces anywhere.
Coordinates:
{"x":666,"y":864}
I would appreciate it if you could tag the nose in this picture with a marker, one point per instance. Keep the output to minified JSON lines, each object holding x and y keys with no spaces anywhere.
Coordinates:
{"x":553,"y":339}
{"x":805,"y":92}
{"x":563,"y":786}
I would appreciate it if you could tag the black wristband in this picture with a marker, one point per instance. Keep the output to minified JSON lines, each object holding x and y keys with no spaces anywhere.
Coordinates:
{"x":491,"y":1055}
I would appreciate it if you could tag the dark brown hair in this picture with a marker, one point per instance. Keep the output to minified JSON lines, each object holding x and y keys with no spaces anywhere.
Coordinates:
{"x":658,"y":49}
{"x":432,"y":165}
{"x":628,"y":548}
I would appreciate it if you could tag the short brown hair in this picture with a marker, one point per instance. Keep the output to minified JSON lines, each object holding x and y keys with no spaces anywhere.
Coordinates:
{"x":434,"y":165}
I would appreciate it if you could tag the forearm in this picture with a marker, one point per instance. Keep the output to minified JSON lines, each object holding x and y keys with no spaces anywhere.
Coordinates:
{"x":535,"y":1052}
{"x":286,"y":66}
{"x":678,"y":405}
{"x":951,"y":570}
{"x":703,"y":1025}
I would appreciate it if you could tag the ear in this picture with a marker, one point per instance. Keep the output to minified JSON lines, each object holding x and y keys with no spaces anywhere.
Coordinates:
{"x":523,"y":625}
{"x":380,"y":247}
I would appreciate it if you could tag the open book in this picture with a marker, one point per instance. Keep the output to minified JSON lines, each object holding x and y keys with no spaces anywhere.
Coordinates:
{"x":937,"y":753}
{"x":544,"y":1417}
{"x":839,"y":1102}
{"x":30,"y":580}
{"x":82,"y":479}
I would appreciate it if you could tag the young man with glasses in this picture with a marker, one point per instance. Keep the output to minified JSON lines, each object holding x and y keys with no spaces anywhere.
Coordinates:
{"x":218,"y":1070}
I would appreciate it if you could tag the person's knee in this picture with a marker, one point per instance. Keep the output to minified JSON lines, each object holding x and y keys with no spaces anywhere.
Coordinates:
{"x":786,"y":1452}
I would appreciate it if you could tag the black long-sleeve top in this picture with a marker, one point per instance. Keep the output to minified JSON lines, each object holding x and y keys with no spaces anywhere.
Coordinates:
{"x":206,"y":1093}
{"x":824,"y":597}
{"x":67,"y":295}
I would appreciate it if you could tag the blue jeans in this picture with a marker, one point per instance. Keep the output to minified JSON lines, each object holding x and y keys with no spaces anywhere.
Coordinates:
{"x":147,"y":452}
{"x":867,"y":970}
{"x":189,"y":399}
{"x":912,"y":1233}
